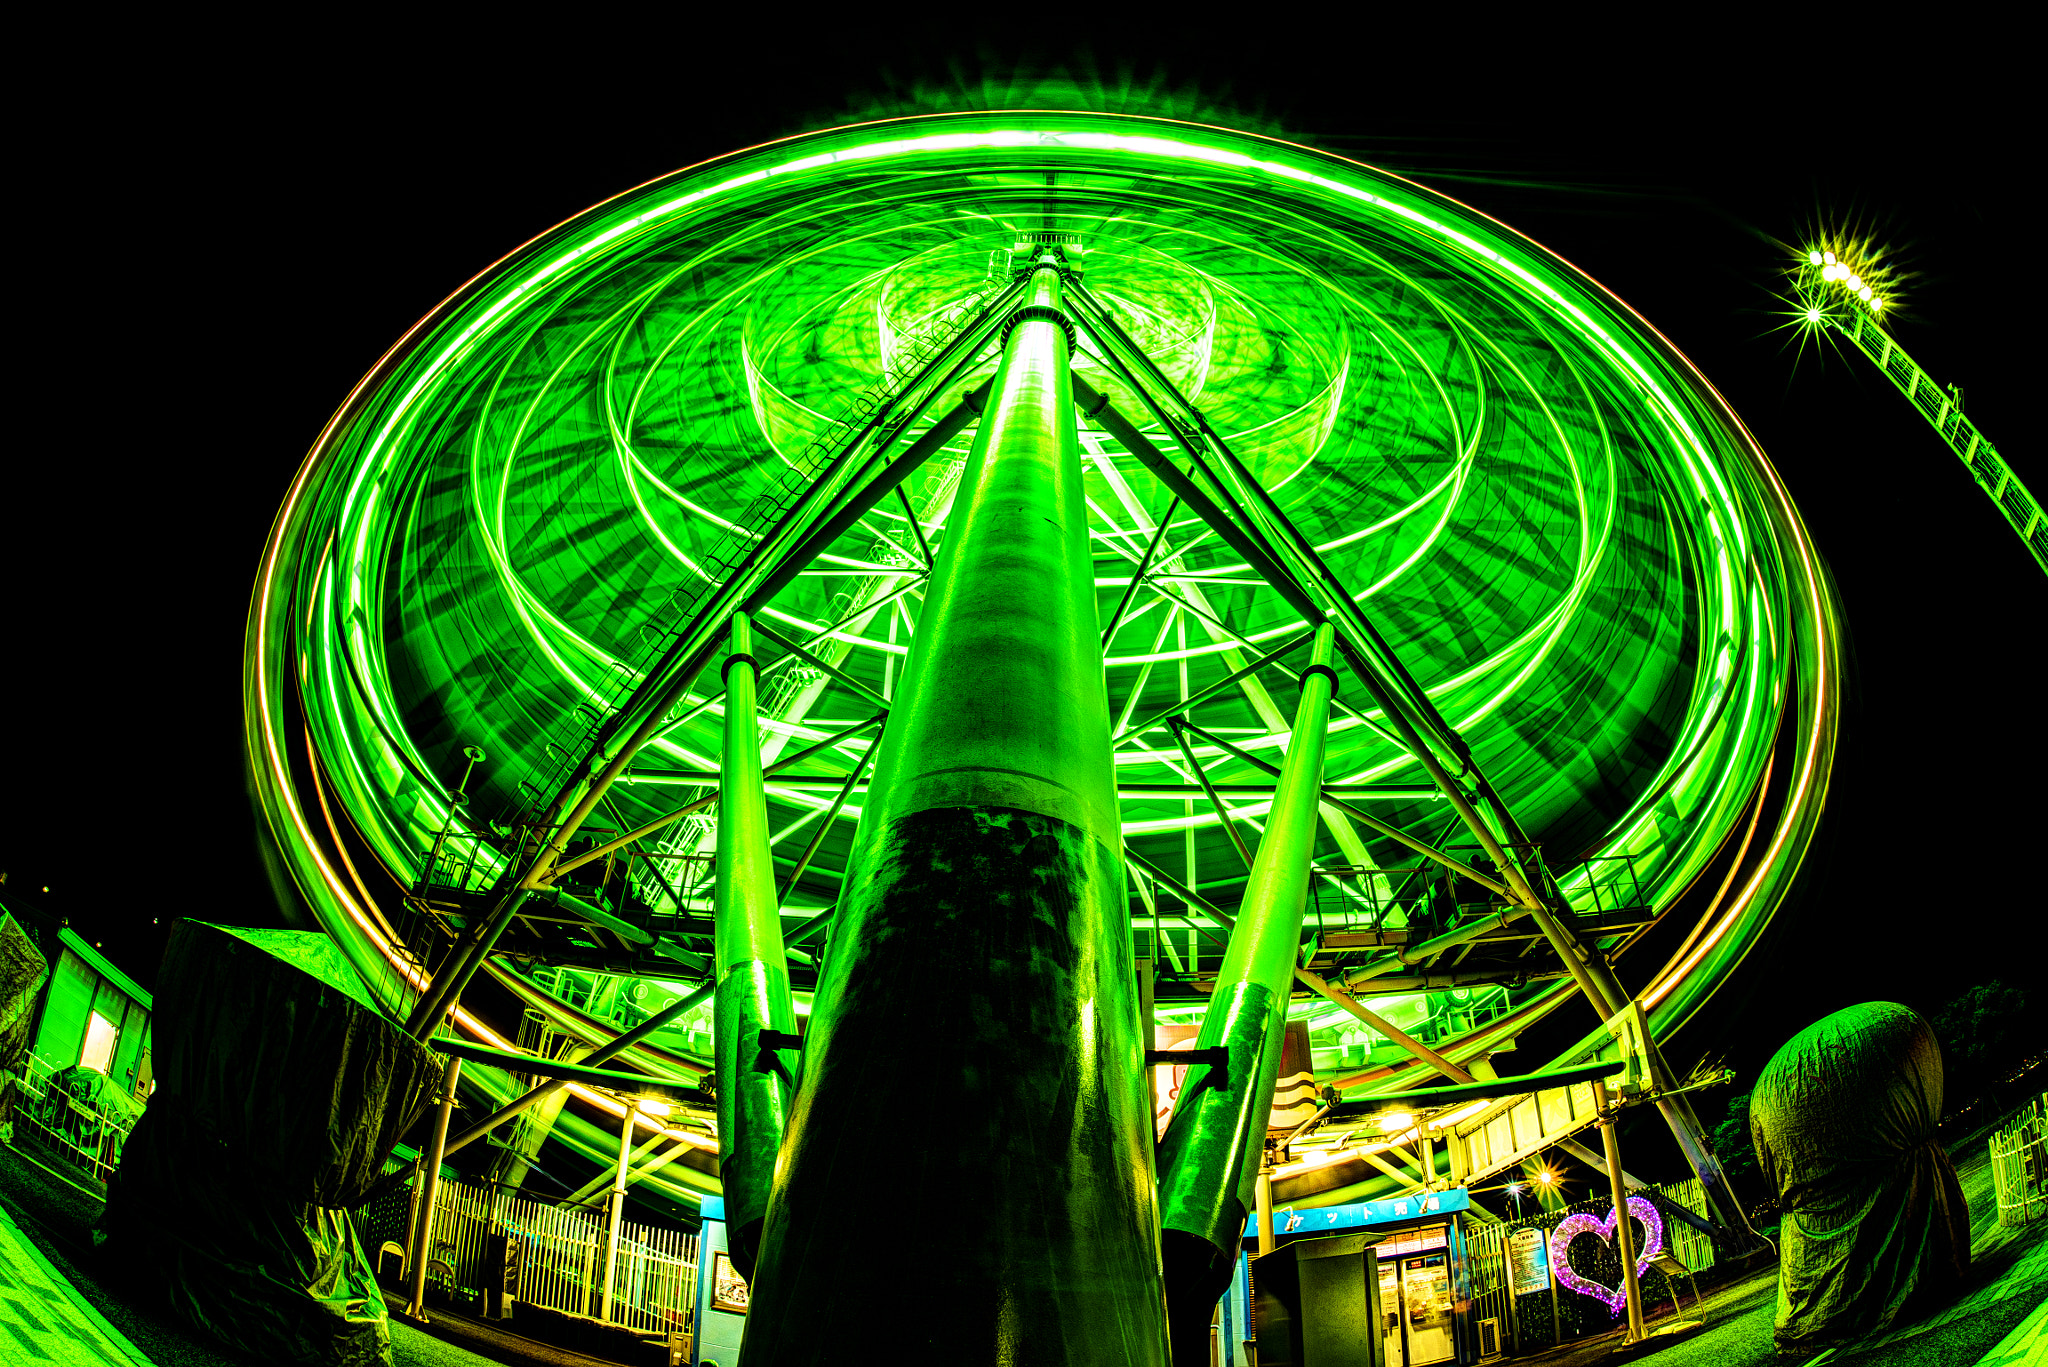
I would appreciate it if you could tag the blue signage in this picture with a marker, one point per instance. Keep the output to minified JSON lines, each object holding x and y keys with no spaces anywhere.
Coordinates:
{"x":1363,"y":1214}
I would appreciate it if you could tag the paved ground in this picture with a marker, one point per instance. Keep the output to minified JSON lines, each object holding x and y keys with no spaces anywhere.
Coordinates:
{"x":2000,"y":1320}
{"x":55,"y":1307}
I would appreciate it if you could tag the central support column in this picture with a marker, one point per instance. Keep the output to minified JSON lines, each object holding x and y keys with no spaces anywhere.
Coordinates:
{"x":969,"y":1154}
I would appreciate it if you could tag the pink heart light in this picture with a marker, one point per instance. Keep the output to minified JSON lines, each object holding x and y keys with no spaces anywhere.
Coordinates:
{"x":1575,"y":1225}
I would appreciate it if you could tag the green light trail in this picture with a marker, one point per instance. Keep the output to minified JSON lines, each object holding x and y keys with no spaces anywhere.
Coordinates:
{"x":1556,"y":522}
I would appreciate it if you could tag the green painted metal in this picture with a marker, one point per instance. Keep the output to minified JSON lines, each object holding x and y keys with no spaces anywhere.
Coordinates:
{"x":755,"y":1081}
{"x":980,"y":975}
{"x":1830,"y":302}
{"x":1209,"y":1157}
{"x":1558,"y":526}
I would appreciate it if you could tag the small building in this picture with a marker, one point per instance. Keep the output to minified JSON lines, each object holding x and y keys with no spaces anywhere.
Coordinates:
{"x":82,"y":1074}
{"x":91,"y":1014}
{"x":1425,"y":1300}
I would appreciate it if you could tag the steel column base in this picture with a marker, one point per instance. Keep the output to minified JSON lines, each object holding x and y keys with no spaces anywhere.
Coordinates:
{"x":970,"y":1144}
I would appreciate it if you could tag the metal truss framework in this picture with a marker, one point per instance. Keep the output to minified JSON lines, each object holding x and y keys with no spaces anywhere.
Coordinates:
{"x":1462,"y":900}
{"x":1832,"y":304}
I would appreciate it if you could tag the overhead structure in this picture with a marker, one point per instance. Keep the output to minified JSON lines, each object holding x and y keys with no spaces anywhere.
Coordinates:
{"x":1833,"y":293}
{"x":1300,"y":442}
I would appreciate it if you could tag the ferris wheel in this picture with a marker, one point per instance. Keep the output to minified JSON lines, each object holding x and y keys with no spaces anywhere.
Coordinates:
{"x":994,"y":586}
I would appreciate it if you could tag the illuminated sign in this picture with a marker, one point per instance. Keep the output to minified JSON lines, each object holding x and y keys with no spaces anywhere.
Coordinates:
{"x":1575,"y":1225}
{"x":1356,"y":1213}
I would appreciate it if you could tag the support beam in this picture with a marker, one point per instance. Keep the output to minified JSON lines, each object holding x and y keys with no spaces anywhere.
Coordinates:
{"x":1329,"y":796}
{"x":603,"y":1053}
{"x":980,"y":958}
{"x":430,"y":1192}
{"x":753,"y":1013}
{"x":818,"y":662}
{"x":774,"y":559}
{"x":1222,"y":685}
{"x":709,"y":799}
{"x":1386,"y":1027}
{"x":1312,"y":981}
{"x":1209,"y":1157}
{"x":825,"y":824}
{"x":1224,"y":816}
{"x":1116,"y":619}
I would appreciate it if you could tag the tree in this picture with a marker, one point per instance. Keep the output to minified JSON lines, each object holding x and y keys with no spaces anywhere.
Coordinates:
{"x":1975,"y":1028}
{"x":1735,"y":1149}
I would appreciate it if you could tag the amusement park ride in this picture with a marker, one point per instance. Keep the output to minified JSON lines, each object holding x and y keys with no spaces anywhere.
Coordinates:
{"x":1845,"y":293}
{"x":887,"y":621}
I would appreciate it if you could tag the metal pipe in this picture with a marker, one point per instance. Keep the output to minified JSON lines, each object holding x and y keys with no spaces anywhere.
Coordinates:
{"x":1386,"y":1027}
{"x":1292,"y":544}
{"x":825,"y":825}
{"x":603,"y":1053}
{"x":924,"y":549}
{"x":768,"y":566}
{"x":1116,"y":619}
{"x":753,"y":1001}
{"x":1263,"y":1197}
{"x":1223,"y":813}
{"x":1209,"y":1157}
{"x":983,"y":919}
{"x":637,"y":1169}
{"x":1624,"y":1233}
{"x":1312,"y":981}
{"x":699,"y":804}
{"x":872,"y":493}
{"x":1099,"y":409}
{"x":1394,"y":833}
{"x":1228,"y":681}
{"x":512,"y":1163}
{"x":430,"y":1192}
{"x":618,"y":1213}
{"x":818,"y":662}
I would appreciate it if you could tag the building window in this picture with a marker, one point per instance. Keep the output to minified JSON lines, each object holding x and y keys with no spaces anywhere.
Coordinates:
{"x":100,"y":1034}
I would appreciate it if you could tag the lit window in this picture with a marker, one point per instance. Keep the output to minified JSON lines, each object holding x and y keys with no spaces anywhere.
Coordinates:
{"x":99,"y":1044}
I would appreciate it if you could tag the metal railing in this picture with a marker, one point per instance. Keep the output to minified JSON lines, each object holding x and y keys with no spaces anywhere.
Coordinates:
{"x":66,"y":1127}
{"x":2019,"y":1164}
{"x":562,"y":1256}
{"x":1943,"y":409}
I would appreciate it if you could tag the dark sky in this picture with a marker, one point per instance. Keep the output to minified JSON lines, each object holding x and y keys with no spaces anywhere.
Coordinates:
{"x":224,"y":231}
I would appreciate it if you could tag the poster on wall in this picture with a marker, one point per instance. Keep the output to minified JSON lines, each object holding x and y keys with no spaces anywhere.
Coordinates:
{"x":728,"y":1288}
{"x":1166,"y":1082}
{"x":1528,"y":1262}
{"x":1294,"y":1091}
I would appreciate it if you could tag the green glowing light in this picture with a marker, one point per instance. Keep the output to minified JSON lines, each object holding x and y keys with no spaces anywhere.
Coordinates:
{"x":1556,"y":523}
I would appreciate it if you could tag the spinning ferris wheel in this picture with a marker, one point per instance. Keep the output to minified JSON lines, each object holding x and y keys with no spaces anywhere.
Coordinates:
{"x":964,"y":584}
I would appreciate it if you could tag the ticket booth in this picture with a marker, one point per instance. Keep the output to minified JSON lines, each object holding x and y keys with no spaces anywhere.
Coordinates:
{"x":1418,"y":1246}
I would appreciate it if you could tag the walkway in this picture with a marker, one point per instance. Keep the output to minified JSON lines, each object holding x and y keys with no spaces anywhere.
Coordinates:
{"x":54,"y":1309}
{"x":2000,"y":1320}
{"x":46,"y":1319}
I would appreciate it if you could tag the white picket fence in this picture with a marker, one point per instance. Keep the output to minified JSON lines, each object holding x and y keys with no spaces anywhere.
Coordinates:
{"x":562,"y":1254}
{"x":2019,"y":1164}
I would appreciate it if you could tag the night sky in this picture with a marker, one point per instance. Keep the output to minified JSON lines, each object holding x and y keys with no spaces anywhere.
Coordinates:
{"x":225,"y":231}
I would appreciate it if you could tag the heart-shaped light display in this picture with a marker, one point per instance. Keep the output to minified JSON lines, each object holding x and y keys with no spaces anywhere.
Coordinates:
{"x":1613,"y":1297}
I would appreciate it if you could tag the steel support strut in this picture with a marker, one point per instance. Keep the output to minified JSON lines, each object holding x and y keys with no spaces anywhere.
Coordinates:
{"x":754,"y":1016}
{"x":980,"y":994}
{"x":796,"y":538}
{"x":1246,"y":516}
{"x":1209,"y":1159}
